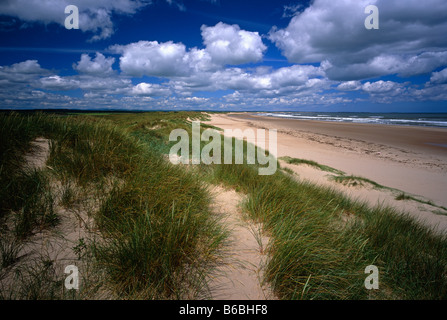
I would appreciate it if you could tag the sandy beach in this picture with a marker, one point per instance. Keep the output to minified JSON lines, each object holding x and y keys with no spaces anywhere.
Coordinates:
{"x":407,"y":159}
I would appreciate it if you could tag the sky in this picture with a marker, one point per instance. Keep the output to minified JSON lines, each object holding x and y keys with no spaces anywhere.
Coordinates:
{"x":225,"y":55}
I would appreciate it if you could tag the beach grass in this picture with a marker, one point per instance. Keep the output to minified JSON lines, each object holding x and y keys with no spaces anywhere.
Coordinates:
{"x":404,"y":196}
{"x":312,"y":163}
{"x":352,"y":180}
{"x":158,"y":236}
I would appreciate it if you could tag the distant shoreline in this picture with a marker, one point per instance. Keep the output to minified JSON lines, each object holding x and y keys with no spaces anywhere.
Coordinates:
{"x":435,"y":120}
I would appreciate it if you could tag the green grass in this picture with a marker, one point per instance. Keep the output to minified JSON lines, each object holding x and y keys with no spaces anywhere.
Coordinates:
{"x":403,"y":196}
{"x":357,"y":181}
{"x":160,"y":235}
{"x":9,"y":251}
{"x":288,"y":170}
{"x":23,"y":190}
{"x":314,"y":164}
{"x":360,"y":181}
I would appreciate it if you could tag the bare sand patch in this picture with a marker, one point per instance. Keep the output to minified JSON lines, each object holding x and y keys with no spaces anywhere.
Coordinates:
{"x":240,"y":276}
{"x":38,"y":156}
{"x":44,"y":255}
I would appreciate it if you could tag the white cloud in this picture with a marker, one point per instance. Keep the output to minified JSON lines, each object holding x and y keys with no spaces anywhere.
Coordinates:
{"x":196,"y":99}
{"x":110,"y":85}
{"x":199,"y":60}
{"x":149,"y":89}
{"x":295,"y":75}
{"x":410,"y":39}
{"x":152,"y":58}
{"x":381,"y":86}
{"x":261,"y":81}
{"x":225,"y":44}
{"x":21,"y":73}
{"x":25,"y":67}
{"x":91,"y":83}
{"x":56,"y":82}
{"x":423,"y":63}
{"x":94,"y":16}
{"x":228,"y":44}
{"x":349,"y":86}
{"x":402,"y":65}
{"x":430,"y":93}
{"x":439,"y":77}
{"x":100,"y":65}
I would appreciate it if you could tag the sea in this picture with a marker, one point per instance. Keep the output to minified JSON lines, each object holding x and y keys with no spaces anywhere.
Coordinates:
{"x":407,"y":119}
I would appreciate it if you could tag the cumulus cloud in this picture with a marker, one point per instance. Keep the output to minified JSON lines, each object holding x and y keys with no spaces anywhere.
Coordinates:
{"x":349,"y":86}
{"x":225,"y":44}
{"x":228,"y":44}
{"x":103,"y":85}
{"x":295,"y":75}
{"x":439,"y":77}
{"x":379,"y":86}
{"x":322,"y":32}
{"x":56,"y":82}
{"x":25,"y":67}
{"x":430,"y":93}
{"x":100,"y":65}
{"x":402,"y":65}
{"x":386,"y":91}
{"x":21,"y":73}
{"x":94,"y":16}
{"x":255,"y":86}
{"x":95,"y":76}
{"x":238,"y":100}
{"x":196,"y":100}
{"x":152,"y":58}
{"x":422,"y":63}
{"x":261,"y":81}
{"x":149,"y":89}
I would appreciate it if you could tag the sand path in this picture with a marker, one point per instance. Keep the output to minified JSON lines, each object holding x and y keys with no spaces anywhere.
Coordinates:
{"x":240,"y":276}
{"x":37,"y":158}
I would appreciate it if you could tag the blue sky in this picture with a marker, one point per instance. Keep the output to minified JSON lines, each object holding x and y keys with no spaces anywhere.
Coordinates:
{"x":224,"y":55}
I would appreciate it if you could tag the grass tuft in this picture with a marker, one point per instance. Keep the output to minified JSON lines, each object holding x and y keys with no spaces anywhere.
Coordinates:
{"x":311,"y":163}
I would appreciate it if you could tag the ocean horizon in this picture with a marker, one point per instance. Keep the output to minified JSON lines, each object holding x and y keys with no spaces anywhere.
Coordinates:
{"x":408,"y":119}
